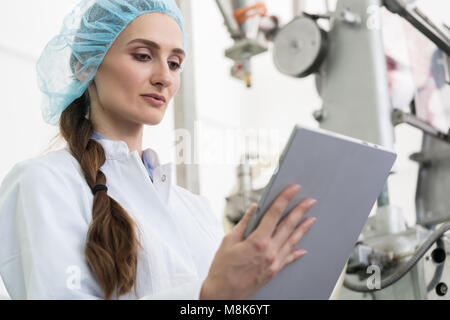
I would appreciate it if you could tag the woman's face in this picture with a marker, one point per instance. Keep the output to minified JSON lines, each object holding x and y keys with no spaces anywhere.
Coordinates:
{"x":133,"y":68}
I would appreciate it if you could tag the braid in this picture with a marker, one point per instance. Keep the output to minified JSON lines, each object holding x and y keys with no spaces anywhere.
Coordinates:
{"x":111,"y":242}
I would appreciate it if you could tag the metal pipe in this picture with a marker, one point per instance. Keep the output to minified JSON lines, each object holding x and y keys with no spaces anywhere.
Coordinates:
{"x":405,"y":268}
{"x":226,"y":19}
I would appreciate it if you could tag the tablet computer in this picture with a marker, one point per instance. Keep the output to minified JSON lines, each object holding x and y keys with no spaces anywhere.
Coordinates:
{"x":345,"y":176}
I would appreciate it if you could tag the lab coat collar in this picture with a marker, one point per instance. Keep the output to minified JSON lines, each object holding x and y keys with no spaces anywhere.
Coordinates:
{"x":118,"y":149}
{"x":162,"y":173}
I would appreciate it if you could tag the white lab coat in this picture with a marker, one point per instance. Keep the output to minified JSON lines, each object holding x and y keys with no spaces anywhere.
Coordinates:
{"x":46,"y":210}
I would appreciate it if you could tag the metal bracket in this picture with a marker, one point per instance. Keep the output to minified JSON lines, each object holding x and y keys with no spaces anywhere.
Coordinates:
{"x":398,"y":117}
{"x":408,"y":10}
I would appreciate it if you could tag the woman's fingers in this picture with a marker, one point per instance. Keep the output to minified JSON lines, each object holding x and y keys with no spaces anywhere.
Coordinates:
{"x":295,"y":255}
{"x":239,"y":230}
{"x":274,"y":213}
{"x":287,"y":226}
{"x":287,"y":249}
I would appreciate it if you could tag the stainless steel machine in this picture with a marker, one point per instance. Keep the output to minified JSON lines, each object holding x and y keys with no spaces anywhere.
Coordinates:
{"x":349,"y":65}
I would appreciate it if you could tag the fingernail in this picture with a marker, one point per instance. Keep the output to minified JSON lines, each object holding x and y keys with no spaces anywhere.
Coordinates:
{"x":311,"y":221}
{"x":295,"y":188}
{"x":302,"y":252}
{"x":311,"y":202}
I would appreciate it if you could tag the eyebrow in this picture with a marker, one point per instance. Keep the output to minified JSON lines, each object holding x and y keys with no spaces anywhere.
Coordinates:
{"x":153,"y":44}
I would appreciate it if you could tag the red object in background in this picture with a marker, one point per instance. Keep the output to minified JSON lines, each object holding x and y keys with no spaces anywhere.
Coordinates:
{"x":432,"y":96}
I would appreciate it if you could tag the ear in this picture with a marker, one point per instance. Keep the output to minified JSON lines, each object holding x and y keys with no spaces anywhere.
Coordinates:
{"x":83,"y":75}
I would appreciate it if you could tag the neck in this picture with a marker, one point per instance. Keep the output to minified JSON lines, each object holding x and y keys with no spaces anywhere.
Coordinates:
{"x":119,"y":130}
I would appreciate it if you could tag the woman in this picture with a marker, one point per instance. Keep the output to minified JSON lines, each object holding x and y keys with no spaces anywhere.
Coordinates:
{"x":101,"y":218}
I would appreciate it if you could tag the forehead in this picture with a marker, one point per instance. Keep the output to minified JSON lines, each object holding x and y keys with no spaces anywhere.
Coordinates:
{"x":155,"y":26}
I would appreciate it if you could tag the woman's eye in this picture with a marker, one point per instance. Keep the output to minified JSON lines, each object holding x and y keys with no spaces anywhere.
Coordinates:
{"x":175,"y":65}
{"x":140,"y":56}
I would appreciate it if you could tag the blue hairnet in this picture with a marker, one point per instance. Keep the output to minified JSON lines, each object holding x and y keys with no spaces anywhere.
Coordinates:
{"x":87,"y":33}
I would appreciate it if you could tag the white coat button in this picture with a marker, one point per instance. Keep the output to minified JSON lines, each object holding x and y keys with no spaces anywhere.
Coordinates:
{"x":163,"y":178}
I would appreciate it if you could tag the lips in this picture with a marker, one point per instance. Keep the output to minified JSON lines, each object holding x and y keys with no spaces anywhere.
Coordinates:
{"x":155,"y":96}
{"x":153,"y":101}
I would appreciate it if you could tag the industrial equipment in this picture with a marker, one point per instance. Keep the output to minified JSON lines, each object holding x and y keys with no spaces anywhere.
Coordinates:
{"x":349,"y":64}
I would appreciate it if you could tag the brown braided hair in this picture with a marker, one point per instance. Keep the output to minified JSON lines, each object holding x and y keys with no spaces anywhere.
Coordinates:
{"x":111,"y":242}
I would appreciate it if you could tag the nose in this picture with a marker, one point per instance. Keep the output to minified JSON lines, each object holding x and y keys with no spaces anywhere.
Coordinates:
{"x":161,"y":76}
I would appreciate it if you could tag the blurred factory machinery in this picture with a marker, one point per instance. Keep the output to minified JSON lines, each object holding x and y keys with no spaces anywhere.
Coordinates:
{"x":348,"y":61}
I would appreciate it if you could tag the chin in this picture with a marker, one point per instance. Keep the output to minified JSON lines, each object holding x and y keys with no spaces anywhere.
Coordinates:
{"x":151,"y":117}
{"x":152,"y":121}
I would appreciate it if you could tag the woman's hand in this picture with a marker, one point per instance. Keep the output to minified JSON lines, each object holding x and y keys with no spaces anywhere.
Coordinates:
{"x":240,"y":267}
